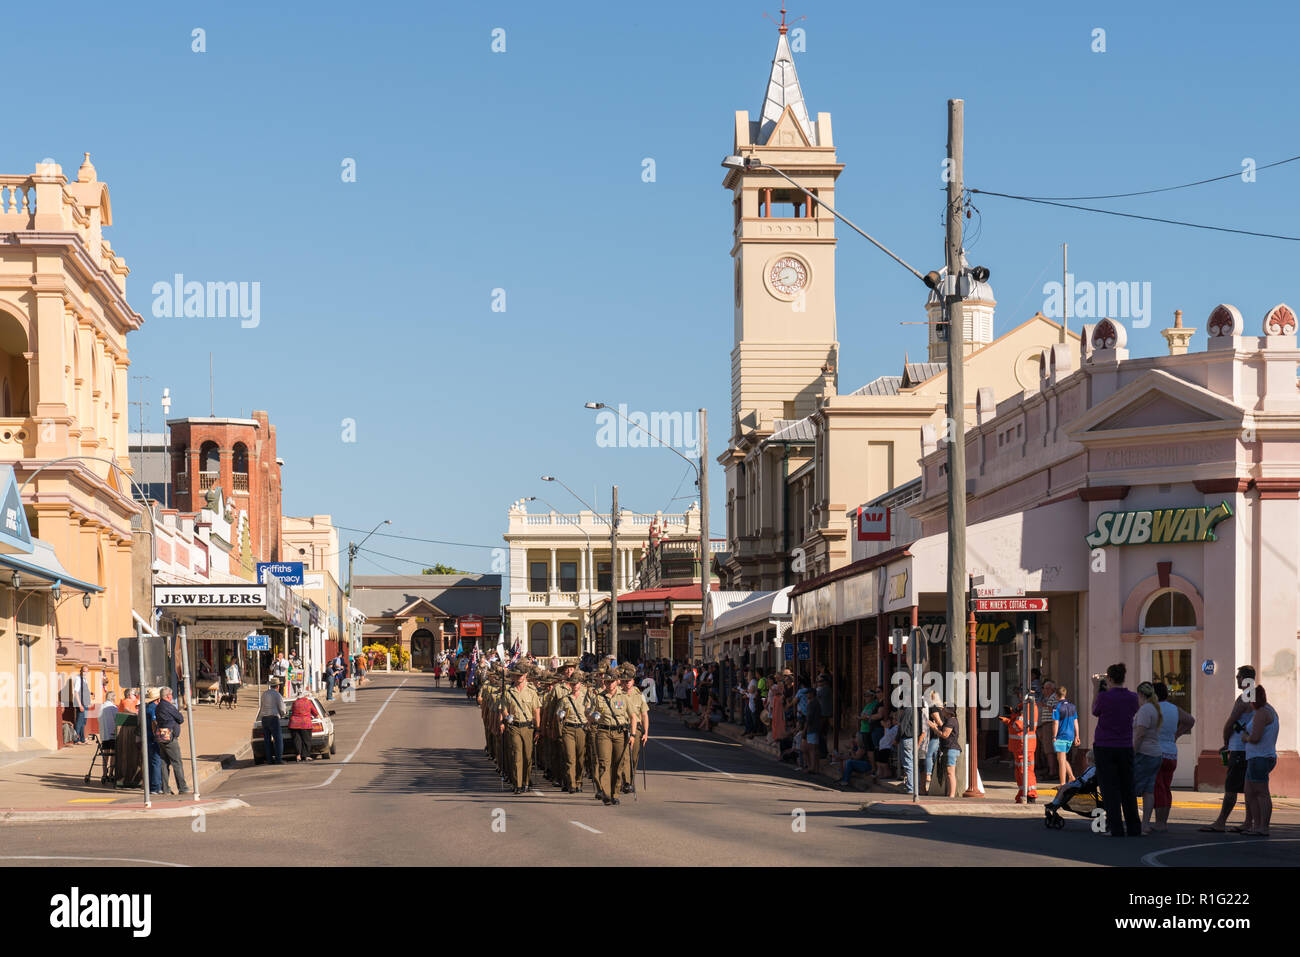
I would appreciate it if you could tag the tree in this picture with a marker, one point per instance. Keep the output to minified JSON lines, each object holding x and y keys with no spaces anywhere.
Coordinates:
{"x":441,"y":569}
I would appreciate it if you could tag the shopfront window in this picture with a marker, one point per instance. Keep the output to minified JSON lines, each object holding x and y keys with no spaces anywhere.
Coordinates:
{"x":1173,"y":666}
{"x":1169,"y":612}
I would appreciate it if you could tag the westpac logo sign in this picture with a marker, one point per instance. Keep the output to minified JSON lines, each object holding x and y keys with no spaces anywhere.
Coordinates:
{"x":873,"y":524}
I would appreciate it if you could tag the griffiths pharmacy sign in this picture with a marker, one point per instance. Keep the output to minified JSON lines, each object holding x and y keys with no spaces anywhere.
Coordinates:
{"x":1158,"y":526}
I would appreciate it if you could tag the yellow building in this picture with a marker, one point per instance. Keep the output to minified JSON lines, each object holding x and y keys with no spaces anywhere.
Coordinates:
{"x":64,"y":318}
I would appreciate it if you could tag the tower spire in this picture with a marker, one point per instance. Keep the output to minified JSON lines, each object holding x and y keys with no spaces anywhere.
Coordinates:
{"x":783,"y":87}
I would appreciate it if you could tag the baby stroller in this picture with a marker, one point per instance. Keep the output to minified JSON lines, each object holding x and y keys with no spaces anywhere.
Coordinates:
{"x":1081,"y":796}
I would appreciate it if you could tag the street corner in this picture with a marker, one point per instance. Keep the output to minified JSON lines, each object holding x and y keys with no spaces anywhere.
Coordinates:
{"x":159,"y":811}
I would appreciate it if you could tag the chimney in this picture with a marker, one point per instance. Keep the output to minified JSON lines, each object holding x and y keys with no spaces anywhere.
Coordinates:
{"x":1177,"y":336}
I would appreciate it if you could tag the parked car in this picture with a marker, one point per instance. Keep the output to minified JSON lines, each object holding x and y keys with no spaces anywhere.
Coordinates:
{"x":322,"y":731}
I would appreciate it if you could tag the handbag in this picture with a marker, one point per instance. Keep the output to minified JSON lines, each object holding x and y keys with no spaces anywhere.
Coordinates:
{"x":161,"y":735}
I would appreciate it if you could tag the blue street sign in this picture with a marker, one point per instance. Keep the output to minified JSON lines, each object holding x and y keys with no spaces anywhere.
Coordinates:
{"x":259,"y":642}
{"x":288,"y":572}
{"x":789,"y":651}
{"x":805,"y":650}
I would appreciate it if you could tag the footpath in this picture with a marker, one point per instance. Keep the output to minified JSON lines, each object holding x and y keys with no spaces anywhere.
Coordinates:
{"x":891,"y":799}
{"x":52,"y":785}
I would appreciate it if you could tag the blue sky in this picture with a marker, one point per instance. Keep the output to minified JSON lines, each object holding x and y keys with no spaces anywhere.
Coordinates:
{"x":523,"y":171}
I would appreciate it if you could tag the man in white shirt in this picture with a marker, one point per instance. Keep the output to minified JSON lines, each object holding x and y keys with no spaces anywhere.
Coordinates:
{"x":82,"y":699}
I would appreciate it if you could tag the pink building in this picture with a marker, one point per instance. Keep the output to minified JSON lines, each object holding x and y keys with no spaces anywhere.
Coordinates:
{"x":1155,"y":502}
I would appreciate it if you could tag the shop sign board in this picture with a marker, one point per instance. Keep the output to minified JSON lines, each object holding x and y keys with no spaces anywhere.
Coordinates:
{"x":288,"y":572}
{"x":1010,"y":604}
{"x":805,"y":650}
{"x":223,"y":596}
{"x":1158,"y":526}
{"x":873,"y":524}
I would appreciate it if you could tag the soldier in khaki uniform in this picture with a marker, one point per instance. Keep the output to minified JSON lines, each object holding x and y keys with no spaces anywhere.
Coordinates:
{"x":520,"y":713}
{"x":571,"y":717}
{"x":610,"y":714}
{"x":641,"y":711}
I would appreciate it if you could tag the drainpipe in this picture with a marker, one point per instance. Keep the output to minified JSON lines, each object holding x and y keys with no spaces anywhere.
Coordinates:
{"x":785,"y":510}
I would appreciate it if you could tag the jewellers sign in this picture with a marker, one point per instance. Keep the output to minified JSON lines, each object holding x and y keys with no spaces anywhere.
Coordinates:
{"x":1158,"y":526}
{"x":227,"y":596}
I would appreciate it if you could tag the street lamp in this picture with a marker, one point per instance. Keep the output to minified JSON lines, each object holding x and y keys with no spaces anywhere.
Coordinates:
{"x":952,"y":288}
{"x":702,"y":483}
{"x":613,"y":557}
{"x":591,"y":560}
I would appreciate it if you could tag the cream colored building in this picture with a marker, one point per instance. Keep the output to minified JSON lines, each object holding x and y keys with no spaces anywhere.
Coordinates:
{"x":64,"y":319}
{"x":800,"y":454}
{"x":314,"y":541}
{"x":560,"y":571}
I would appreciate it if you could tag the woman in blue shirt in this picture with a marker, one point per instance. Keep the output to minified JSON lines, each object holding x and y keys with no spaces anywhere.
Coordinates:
{"x":1065,"y":734}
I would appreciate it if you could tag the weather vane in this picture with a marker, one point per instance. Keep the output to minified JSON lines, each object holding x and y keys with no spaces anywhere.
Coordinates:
{"x":783,"y":26}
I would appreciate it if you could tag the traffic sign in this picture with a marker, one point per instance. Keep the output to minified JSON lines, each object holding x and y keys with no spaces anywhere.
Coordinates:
{"x":1010,"y":604}
{"x":805,"y":650}
{"x":789,"y":651}
{"x":259,"y":642}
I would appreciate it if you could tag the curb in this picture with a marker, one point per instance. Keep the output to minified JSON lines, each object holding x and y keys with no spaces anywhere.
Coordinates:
{"x":956,"y":809}
{"x":46,"y":815}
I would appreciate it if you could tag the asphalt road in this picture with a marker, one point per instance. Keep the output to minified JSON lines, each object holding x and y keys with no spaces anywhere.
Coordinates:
{"x":410,"y":785}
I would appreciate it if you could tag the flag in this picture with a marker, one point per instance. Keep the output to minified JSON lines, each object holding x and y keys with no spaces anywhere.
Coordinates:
{"x":459,"y":648}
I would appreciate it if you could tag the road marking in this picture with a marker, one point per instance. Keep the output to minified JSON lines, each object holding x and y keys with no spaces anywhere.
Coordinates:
{"x":539,"y":794}
{"x":128,"y":860}
{"x":584,"y":827}
{"x":689,"y":758}
{"x":92,"y":800}
{"x":371,"y":725}
{"x":1153,"y":859}
{"x":337,"y":771}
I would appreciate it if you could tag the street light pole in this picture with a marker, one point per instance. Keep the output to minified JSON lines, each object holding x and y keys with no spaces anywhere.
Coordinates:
{"x":705,"y":557}
{"x":613,"y":542}
{"x":353,"y":548}
{"x":613,"y":574}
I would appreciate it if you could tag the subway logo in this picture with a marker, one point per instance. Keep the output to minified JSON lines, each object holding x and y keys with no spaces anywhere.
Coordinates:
{"x":1158,"y":526}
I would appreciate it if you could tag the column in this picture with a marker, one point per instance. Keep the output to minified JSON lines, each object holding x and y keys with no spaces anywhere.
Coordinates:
{"x":554,"y":642}
{"x":554,"y":571}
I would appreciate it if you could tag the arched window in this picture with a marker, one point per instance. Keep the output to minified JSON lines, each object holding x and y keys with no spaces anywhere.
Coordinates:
{"x":568,"y":640}
{"x":539,"y":641}
{"x":1168,"y":612}
{"x":239,"y":466}
{"x":209,"y":466}
{"x":13,"y":365}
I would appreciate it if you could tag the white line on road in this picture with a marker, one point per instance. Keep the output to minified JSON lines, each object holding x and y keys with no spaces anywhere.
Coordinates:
{"x":584,"y":827}
{"x":689,"y":758}
{"x":371,"y":725}
{"x":1153,"y":859}
{"x":337,"y":771}
{"x":539,"y":794}
{"x":55,"y":857}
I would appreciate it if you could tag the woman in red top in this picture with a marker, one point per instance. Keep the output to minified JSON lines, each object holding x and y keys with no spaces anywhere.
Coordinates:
{"x":300,"y":726}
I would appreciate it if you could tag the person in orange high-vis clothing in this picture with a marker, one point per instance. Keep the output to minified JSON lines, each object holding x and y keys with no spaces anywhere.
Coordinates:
{"x":1022,"y":746}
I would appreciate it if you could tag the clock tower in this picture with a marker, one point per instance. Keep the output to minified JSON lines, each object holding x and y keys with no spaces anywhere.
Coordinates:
{"x":784,"y":352}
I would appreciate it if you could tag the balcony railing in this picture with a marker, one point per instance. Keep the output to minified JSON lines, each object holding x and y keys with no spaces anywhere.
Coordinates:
{"x":241,"y":481}
{"x":209,"y":480}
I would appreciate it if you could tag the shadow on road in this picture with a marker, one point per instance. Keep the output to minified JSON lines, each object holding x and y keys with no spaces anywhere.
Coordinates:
{"x":460,"y":771}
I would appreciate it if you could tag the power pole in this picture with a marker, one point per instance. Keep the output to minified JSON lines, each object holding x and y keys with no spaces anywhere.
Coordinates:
{"x":966,"y":720}
{"x":613,"y":575}
{"x":705,"y":558}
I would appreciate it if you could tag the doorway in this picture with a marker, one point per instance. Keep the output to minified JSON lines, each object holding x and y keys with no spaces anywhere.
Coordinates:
{"x":422,"y":651}
{"x":1170,"y":660}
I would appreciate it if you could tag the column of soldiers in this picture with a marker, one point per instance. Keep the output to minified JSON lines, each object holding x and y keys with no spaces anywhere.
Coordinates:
{"x":573,"y":725}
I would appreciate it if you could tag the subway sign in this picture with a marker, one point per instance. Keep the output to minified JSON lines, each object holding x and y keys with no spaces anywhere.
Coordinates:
{"x":1158,"y":526}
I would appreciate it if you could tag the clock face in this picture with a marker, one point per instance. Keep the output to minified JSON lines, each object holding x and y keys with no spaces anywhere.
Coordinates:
{"x":788,"y":275}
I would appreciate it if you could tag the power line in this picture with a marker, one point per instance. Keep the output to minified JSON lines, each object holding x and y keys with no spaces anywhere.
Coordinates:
{"x":1141,"y":192}
{"x":1150,"y":219}
{"x":430,"y":541}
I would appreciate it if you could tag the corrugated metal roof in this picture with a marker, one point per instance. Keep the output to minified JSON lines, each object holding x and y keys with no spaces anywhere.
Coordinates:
{"x":884,"y":385}
{"x":793,"y":430}
{"x":917,"y":372}
{"x":783,"y":90}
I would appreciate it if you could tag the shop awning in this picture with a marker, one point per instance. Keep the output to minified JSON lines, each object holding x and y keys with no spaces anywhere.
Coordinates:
{"x":760,"y":606}
{"x":42,"y":568}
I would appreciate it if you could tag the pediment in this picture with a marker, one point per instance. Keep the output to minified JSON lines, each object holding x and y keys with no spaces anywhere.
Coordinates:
{"x":420,"y":607}
{"x":788,"y":131}
{"x":1157,"y":402}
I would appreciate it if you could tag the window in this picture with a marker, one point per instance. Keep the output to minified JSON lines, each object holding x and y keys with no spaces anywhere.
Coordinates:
{"x":539,"y":641}
{"x":1169,"y":611}
{"x":568,"y":640}
{"x":537,"y":576}
{"x":602,"y":576}
{"x":568,"y":576}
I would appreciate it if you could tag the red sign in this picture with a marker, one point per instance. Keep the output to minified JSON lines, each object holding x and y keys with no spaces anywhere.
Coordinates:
{"x":873,"y":524}
{"x":1011,"y":604}
{"x":471,"y":626}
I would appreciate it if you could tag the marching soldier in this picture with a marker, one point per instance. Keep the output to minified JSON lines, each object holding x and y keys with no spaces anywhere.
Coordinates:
{"x":614,"y":723}
{"x":520,"y":714}
{"x":641,"y":711}
{"x":571,"y":718}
